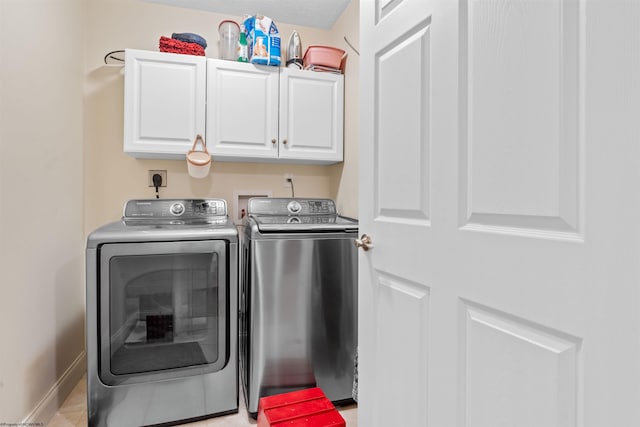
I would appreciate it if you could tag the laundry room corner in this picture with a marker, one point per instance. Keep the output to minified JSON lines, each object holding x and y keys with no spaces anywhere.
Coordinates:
{"x":64,"y":173}
{"x":344,"y":177}
{"x":112,"y":177}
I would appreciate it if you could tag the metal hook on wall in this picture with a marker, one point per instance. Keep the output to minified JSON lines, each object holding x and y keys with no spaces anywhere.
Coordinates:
{"x":115,"y":57}
{"x":351,"y":46}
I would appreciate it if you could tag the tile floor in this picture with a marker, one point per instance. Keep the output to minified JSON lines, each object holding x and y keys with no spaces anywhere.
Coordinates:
{"x":73,"y":413}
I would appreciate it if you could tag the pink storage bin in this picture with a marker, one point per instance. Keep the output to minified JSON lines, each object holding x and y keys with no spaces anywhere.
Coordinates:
{"x":325,"y":56}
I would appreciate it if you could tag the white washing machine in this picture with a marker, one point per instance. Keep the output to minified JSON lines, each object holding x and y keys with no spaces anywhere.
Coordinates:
{"x":161,"y":326}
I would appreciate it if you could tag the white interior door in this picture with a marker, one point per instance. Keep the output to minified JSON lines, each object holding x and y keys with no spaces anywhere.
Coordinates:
{"x":499,"y":167}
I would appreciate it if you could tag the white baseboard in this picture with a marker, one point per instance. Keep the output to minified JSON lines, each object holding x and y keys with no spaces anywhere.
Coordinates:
{"x":55,"y":397}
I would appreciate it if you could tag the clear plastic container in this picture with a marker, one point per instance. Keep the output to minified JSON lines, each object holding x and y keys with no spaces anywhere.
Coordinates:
{"x":229,"y":33}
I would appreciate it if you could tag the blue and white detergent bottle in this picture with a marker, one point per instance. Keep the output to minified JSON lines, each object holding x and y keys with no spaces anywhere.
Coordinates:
{"x":263,"y":40}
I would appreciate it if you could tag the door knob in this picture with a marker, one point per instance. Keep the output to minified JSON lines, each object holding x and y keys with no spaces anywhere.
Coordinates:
{"x":364,"y":242}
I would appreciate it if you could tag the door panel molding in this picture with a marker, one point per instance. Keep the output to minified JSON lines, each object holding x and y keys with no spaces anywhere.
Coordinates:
{"x":521,"y":167}
{"x":402,"y":305}
{"x":385,"y":8}
{"x":514,"y":370}
{"x":403,"y":194}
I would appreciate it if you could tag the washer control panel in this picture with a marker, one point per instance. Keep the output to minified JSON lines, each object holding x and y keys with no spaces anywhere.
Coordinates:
{"x":286,"y":206}
{"x":175,"y":209}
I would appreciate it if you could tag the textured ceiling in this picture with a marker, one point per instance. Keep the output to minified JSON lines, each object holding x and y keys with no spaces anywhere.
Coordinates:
{"x":309,"y":13}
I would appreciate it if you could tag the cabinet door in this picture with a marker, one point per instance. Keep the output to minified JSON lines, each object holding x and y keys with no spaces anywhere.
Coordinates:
{"x":164,"y":103}
{"x":242,"y":111}
{"x":311,"y":116}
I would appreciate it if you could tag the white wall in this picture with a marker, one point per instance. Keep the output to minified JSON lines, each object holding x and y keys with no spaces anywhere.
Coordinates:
{"x":41,"y":205}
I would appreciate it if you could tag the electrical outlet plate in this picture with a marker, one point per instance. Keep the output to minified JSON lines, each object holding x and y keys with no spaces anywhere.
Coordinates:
{"x":285,"y":180}
{"x":240,"y":200}
{"x":162,"y":173}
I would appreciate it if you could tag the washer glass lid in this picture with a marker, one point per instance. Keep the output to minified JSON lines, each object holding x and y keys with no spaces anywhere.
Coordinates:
{"x":303,"y":219}
{"x":282,"y":223}
{"x":297,"y":214}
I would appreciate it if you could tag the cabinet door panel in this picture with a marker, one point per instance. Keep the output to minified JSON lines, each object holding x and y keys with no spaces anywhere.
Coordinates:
{"x":164,"y":103}
{"x":242,"y":110}
{"x":311,"y":116}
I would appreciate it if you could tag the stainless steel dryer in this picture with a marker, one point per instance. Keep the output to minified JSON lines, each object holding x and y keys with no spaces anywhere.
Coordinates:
{"x":161,"y":326}
{"x":298,"y":300}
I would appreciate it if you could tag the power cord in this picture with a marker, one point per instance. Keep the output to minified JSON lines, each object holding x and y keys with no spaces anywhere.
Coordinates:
{"x":157,"y":182}
{"x":293,"y":193}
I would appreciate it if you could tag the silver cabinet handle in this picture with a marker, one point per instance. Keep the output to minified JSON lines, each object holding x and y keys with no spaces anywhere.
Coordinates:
{"x":364,"y":242}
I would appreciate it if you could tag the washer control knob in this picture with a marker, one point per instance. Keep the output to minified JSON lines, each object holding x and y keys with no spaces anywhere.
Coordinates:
{"x":294,"y":207}
{"x":176,"y":209}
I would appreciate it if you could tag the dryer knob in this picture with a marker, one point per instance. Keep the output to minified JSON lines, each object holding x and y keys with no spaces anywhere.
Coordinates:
{"x":176,"y":209}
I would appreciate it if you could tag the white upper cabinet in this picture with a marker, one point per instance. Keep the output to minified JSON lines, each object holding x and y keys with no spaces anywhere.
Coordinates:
{"x":245,"y":112}
{"x":311,"y":116}
{"x":164,"y":103}
{"x":242,"y":113}
{"x":261,"y":113}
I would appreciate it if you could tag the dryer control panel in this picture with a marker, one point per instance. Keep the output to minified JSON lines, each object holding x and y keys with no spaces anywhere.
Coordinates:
{"x":184,"y":209}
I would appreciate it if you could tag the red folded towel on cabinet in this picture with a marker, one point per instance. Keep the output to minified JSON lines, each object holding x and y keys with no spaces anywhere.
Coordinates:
{"x":176,"y":46}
